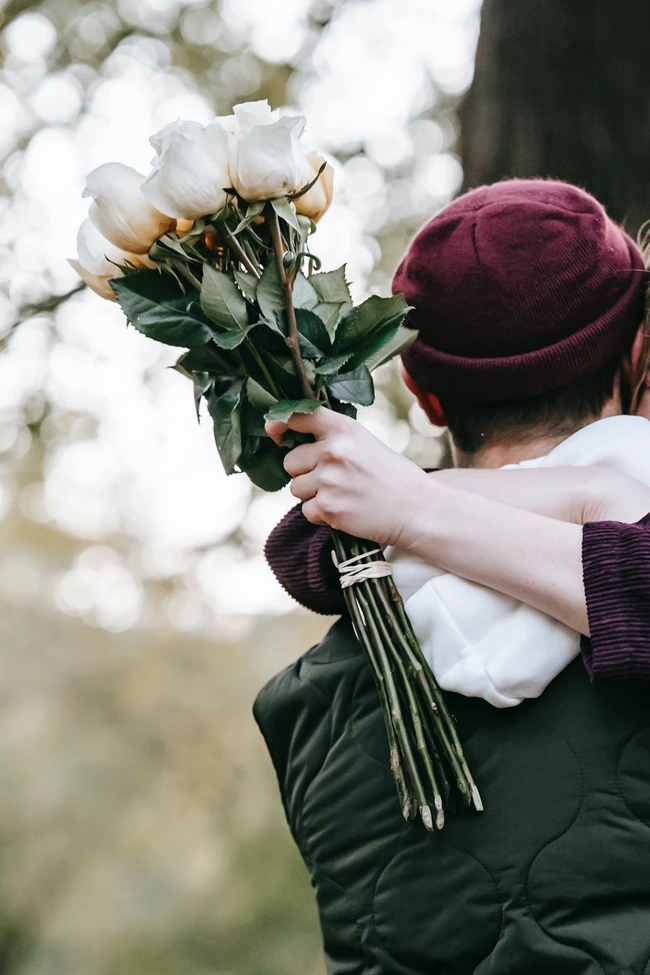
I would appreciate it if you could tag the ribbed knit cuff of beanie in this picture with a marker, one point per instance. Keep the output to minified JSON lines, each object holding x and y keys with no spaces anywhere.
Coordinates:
{"x":518,"y":289}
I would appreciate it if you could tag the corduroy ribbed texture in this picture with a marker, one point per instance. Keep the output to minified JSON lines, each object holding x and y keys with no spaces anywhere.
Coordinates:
{"x":616,"y":567}
{"x":300,"y":555}
{"x":518,"y":289}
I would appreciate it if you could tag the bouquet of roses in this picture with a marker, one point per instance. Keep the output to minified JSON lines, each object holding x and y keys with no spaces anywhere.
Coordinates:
{"x":210,"y":252}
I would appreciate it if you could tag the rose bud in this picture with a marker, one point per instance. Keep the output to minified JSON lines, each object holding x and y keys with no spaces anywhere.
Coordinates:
{"x":98,"y":260}
{"x":121,"y":212}
{"x":316,"y":201}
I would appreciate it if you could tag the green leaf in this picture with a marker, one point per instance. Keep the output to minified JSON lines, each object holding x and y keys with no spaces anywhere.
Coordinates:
{"x":166,"y":244}
{"x":221,"y":299}
{"x":282,"y":370}
{"x":286,"y":212}
{"x":331,"y":366}
{"x":208,"y":359}
{"x":371,"y":316}
{"x":382,"y":345}
{"x":353,"y":387}
{"x":262,"y":460}
{"x":306,"y":188}
{"x":247,"y":284}
{"x":270,"y":296}
{"x":347,"y":408}
{"x":201,"y":381}
{"x":225,"y":411}
{"x":259,"y":397}
{"x":314,"y":339}
{"x":401,"y":339}
{"x":330,"y":312}
{"x":304,"y":294}
{"x":331,"y":287}
{"x":155,"y":304}
{"x":283,"y":409}
{"x":253,"y":210}
{"x":230,"y":340}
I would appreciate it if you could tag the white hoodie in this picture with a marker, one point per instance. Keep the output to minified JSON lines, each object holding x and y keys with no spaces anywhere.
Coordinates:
{"x":481,"y":643}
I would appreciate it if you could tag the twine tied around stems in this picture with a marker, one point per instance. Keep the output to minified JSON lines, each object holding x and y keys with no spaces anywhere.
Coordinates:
{"x":353,"y":571}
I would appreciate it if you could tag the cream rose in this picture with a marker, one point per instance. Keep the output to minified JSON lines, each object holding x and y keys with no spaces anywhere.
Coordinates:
{"x":98,"y":260}
{"x":316,"y":201}
{"x":121,"y":212}
{"x":266,"y":158}
{"x":190,"y":174}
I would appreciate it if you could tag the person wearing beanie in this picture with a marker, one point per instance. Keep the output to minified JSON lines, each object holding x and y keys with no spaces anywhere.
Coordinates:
{"x":528,"y":302}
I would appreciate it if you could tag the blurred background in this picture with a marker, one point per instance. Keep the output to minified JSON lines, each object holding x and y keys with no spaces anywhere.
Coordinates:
{"x":140,"y":826}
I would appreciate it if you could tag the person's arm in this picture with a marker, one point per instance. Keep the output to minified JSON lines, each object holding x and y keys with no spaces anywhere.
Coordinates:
{"x":616,"y":568}
{"x":349,"y":480}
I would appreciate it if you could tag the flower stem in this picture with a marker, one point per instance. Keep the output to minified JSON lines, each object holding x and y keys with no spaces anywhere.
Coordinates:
{"x":358,"y":623}
{"x":418,"y":721}
{"x":235,"y":246}
{"x":287,"y":293}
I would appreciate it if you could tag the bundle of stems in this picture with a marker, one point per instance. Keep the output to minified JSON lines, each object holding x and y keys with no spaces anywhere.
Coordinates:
{"x":426,"y":755}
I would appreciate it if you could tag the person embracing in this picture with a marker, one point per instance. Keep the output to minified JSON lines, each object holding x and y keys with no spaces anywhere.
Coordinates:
{"x":529,"y":303}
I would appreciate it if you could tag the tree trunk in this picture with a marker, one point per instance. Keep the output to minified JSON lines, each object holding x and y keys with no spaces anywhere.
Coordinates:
{"x":561,"y":89}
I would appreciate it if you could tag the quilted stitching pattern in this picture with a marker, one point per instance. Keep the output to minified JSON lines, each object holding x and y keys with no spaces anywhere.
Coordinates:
{"x":553,"y":877}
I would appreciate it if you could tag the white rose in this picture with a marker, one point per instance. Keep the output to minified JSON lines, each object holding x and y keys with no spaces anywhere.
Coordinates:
{"x":316,"y":201}
{"x":190,"y":173}
{"x":98,"y":260}
{"x":266,"y":158}
{"x":121,"y":212}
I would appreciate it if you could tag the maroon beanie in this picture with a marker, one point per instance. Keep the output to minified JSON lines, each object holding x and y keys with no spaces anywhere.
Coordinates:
{"x":518,"y":289}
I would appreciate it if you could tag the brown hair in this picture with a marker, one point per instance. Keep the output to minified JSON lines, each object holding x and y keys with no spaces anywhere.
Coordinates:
{"x":560,"y":413}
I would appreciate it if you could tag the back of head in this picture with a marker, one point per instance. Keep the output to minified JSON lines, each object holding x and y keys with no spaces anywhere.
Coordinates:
{"x":526,"y":296}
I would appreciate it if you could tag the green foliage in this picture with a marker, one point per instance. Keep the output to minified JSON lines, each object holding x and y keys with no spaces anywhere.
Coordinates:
{"x":230,"y":328}
{"x":282,"y":410}
{"x":222,"y":301}
{"x":354,"y":387}
{"x":288,"y":213}
{"x":269,"y":294}
{"x":315,"y":343}
{"x":247,"y":284}
{"x":158,"y":307}
{"x":225,"y":411}
{"x":304,"y":293}
{"x":332,"y":287}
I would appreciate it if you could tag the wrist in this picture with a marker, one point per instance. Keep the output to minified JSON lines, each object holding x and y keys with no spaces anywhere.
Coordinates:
{"x":423,"y":505}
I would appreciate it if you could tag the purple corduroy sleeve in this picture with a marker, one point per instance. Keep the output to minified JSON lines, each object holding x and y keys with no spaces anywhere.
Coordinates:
{"x":616,"y":568}
{"x":300,"y":555}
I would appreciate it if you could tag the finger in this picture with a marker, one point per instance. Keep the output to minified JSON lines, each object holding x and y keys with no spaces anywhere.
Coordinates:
{"x":275,"y":431}
{"x":305,"y":487}
{"x":319,"y":423}
{"x":311,"y":511}
{"x":302,"y":459}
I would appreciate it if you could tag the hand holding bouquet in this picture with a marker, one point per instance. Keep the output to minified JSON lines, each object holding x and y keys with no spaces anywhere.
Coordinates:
{"x":210,"y":253}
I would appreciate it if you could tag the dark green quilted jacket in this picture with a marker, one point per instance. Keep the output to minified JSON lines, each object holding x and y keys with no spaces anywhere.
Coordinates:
{"x":552,"y":879}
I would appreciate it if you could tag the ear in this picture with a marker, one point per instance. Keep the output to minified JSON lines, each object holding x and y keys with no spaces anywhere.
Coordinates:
{"x":428,"y":401}
{"x":637,"y":349}
{"x":637,"y":371}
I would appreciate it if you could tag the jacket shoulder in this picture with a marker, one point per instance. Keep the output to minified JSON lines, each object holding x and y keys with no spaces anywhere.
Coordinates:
{"x":297,"y":711}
